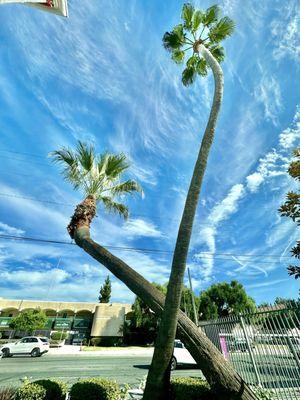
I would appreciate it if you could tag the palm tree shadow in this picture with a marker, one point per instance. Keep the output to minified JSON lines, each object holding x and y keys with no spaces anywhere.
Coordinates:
{"x":142,"y":366}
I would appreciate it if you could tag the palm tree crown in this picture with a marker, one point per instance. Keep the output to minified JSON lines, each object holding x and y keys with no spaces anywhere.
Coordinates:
{"x":198,"y":27}
{"x":97,"y":175}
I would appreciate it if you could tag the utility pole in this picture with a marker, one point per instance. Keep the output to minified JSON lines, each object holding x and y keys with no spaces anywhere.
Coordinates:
{"x":193,"y":300}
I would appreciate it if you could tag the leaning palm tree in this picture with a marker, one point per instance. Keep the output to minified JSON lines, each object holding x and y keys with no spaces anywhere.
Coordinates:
{"x":200,"y":33}
{"x":99,"y":178}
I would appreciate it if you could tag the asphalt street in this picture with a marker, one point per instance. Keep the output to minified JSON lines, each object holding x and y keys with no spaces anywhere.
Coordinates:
{"x":69,"y":368}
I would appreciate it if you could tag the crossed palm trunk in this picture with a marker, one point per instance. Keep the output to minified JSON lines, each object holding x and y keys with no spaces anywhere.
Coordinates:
{"x":218,"y":372}
{"x":99,"y":177}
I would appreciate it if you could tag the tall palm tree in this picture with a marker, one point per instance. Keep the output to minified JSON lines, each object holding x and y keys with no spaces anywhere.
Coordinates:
{"x":200,"y":33}
{"x":81,"y":169}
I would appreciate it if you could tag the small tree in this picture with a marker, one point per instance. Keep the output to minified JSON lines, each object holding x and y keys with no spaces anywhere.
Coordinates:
{"x":29,"y":321}
{"x":223,"y":299}
{"x":105,"y":291}
{"x":291,"y":208}
{"x":141,"y":328}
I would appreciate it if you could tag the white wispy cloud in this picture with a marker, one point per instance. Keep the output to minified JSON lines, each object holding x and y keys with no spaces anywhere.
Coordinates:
{"x":266,"y":283}
{"x":268,"y":93}
{"x":10,"y":230}
{"x":227,"y":206}
{"x":219,"y":213}
{"x":285,"y":29}
{"x":30,"y":278}
{"x":139,"y":227}
{"x":275,"y":162}
{"x":291,"y":136}
{"x":272,"y":165}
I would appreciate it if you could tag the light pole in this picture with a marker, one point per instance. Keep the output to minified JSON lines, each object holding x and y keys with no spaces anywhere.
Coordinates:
{"x":193,"y":300}
{"x":59,"y":7}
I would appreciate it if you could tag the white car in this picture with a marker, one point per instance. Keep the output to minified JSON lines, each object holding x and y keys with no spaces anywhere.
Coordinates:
{"x":181,"y":356}
{"x":33,"y":345}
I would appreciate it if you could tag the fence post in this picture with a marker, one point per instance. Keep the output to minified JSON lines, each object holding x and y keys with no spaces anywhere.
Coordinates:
{"x":250,"y":351}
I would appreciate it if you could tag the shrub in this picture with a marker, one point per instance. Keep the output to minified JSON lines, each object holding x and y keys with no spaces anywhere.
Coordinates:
{"x":95,"y":341}
{"x":263,"y":394}
{"x":7,"y":394}
{"x":55,"y":389}
{"x":30,"y":391}
{"x":59,"y":336}
{"x":190,"y":388}
{"x":107,"y":341}
{"x":95,"y":389}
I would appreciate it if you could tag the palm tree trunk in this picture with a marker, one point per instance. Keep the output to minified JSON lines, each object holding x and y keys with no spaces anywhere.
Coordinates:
{"x":157,"y":385}
{"x":218,"y":372}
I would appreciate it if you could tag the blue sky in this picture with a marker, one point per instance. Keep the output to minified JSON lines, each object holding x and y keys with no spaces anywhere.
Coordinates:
{"x":103,"y":76}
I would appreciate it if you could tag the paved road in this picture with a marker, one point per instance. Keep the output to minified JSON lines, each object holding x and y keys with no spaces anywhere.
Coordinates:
{"x":69,"y":368}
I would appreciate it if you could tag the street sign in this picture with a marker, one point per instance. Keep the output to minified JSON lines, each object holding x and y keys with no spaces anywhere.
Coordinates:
{"x":59,"y":7}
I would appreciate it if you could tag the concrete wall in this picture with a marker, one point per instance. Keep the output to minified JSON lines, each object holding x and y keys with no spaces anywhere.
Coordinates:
{"x":108,"y":319}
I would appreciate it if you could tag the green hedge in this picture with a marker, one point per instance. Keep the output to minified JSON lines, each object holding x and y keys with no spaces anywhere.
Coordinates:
{"x":55,"y":389}
{"x":31,"y":391}
{"x":190,"y":388}
{"x":108,"y":341}
{"x":59,"y":336}
{"x":95,"y":389}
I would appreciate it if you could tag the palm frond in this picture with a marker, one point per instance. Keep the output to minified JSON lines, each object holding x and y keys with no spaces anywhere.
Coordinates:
{"x":85,"y":155}
{"x":217,"y":51}
{"x":222,"y":29}
{"x":96,"y":174}
{"x":212,"y":15}
{"x":129,"y":186}
{"x":116,"y":164}
{"x":94,"y":187}
{"x":294,"y":270}
{"x":196,"y":20}
{"x":201,"y":67}
{"x":64,"y":156}
{"x":192,"y":61}
{"x":68,"y":160}
{"x":294,"y":169}
{"x":178,"y":56}
{"x":112,"y":206}
{"x":188,"y":76}
{"x":187,"y":15}
{"x":174,"y":40}
{"x":296,"y":250}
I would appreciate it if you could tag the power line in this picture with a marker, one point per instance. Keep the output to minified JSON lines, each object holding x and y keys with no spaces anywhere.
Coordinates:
{"x":202,"y":224}
{"x":34,"y":199}
{"x":204,"y":255}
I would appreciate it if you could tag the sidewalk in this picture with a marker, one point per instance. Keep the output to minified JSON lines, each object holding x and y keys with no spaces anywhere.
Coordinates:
{"x":103,"y":351}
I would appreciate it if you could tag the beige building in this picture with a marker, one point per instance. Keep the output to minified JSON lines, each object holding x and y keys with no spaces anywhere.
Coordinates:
{"x":79,"y":319}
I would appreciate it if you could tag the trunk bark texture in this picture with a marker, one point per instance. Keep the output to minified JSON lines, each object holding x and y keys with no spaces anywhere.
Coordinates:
{"x":156,"y":387}
{"x":227,"y":384}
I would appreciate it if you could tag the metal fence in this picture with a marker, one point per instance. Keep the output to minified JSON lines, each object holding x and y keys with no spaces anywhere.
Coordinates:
{"x":264,"y":347}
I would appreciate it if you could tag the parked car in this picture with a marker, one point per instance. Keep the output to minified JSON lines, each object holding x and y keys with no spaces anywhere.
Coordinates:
{"x":33,"y":345}
{"x":181,"y":356}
